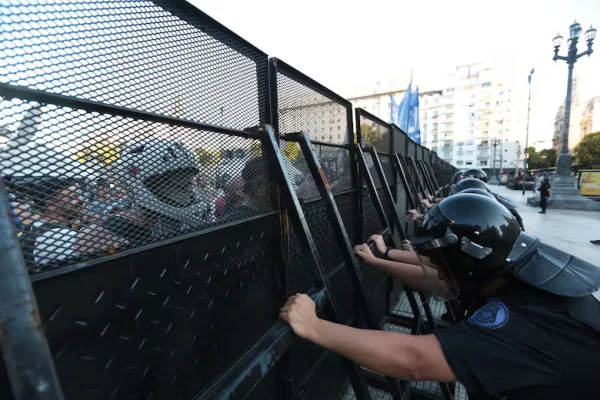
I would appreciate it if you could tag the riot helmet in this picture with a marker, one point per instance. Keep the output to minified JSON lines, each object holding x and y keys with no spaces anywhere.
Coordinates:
{"x":160,"y":175}
{"x":477,"y":174}
{"x":456,"y":178}
{"x":467,"y":240}
{"x":471,"y":183}
{"x":477,"y":191}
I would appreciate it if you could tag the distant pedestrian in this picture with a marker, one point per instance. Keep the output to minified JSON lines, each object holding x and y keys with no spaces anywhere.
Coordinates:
{"x":545,"y":191}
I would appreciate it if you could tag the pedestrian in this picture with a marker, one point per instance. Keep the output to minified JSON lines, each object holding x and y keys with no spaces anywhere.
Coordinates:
{"x":532,"y":329}
{"x":545,"y":191}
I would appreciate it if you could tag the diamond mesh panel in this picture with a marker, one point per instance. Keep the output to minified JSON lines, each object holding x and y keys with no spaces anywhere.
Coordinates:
{"x":371,"y":224}
{"x":85,"y":184}
{"x":334,"y":161}
{"x":374,"y":133}
{"x":301,"y":108}
{"x":411,"y":148}
{"x":136,"y":55}
{"x":400,"y":140}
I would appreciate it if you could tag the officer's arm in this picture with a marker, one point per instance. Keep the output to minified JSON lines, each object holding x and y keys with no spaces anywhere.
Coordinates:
{"x":407,"y":357}
{"x":410,"y":275}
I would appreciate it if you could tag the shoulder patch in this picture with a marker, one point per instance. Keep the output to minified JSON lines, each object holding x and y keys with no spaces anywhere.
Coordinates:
{"x":493,"y":315}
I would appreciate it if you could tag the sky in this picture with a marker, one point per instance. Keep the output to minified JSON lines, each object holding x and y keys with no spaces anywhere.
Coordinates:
{"x":346,"y":45}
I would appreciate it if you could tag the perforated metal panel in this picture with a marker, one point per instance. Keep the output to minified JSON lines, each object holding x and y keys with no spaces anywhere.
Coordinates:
{"x":161,"y":323}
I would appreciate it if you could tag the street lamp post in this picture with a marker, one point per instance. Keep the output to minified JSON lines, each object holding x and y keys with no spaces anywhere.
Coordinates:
{"x":564,"y":193}
{"x":527,"y":133}
{"x":494,"y":179}
{"x":563,"y":165}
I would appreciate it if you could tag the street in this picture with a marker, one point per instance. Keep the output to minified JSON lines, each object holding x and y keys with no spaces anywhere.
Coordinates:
{"x":569,"y":230}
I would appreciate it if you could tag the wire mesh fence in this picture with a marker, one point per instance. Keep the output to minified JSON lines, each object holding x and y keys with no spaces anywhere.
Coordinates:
{"x":144,"y":205}
{"x":99,"y":184}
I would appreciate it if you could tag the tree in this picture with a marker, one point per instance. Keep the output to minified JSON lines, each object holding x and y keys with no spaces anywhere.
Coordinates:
{"x":291,"y":150}
{"x":544,"y":159}
{"x":588,"y":150}
{"x":102,"y":149}
{"x":207,"y":158}
{"x":372,"y":137}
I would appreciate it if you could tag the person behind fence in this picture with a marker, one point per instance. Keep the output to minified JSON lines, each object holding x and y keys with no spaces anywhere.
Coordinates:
{"x":159,"y":175}
{"x":531,"y":332}
{"x":54,"y":235}
{"x":104,"y":201}
{"x":250,"y":195}
{"x":545,"y":191}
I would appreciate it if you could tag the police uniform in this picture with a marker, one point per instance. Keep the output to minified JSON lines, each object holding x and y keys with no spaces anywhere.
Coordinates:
{"x":538,"y":337}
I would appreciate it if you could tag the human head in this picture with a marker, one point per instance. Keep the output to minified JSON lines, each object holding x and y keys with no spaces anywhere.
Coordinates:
{"x":477,"y":174}
{"x":477,"y":191}
{"x":256,"y":179}
{"x":160,"y":175}
{"x":51,"y":197}
{"x":103,"y":188}
{"x":471,"y":240}
{"x":456,"y":177}
{"x":471,"y":183}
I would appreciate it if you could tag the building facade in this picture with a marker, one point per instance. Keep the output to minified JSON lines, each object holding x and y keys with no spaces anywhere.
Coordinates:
{"x":575,"y":120}
{"x":590,"y":117}
{"x":462,"y":121}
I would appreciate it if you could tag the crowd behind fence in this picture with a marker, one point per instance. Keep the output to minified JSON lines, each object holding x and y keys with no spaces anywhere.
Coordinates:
{"x":165,"y":187}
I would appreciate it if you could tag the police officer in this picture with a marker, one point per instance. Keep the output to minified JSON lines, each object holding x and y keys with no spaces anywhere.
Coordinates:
{"x":476,"y":183}
{"x":532,"y":332}
{"x":476,"y":174}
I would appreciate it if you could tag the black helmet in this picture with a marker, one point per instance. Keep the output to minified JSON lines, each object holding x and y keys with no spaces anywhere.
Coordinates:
{"x":470,"y":239}
{"x":477,"y":174}
{"x":478,"y":191}
{"x":471,"y":183}
{"x":456,"y":177}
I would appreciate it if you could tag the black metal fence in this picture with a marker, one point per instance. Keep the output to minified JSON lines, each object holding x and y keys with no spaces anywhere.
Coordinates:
{"x":162,"y":224}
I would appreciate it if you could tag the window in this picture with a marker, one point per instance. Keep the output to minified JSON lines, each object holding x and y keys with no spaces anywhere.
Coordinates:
{"x":487,"y":84}
{"x":339,"y":128}
{"x":460,"y":143}
{"x":449,"y":90}
{"x":483,"y":162}
{"x":425,"y":114}
{"x":424,"y":127}
{"x":459,"y":162}
{"x":469,"y":162}
{"x":469,"y":142}
{"x":469,"y":153}
{"x":435,"y":114}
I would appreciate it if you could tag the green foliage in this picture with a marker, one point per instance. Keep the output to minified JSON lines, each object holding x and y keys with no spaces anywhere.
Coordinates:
{"x":543,"y":159}
{"x":588,"y":150}
{"x":371,"y":137}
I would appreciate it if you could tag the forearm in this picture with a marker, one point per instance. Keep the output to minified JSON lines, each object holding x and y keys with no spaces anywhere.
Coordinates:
{"x":389,"y":353}
{"x":410,"y":275}
{"x":404,"y":256}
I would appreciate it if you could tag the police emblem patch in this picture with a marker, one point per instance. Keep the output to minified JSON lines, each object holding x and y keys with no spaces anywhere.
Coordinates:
{"x":493,"y":315}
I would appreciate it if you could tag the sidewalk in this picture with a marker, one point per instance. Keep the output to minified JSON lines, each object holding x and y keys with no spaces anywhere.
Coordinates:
{"x":569,"y":230}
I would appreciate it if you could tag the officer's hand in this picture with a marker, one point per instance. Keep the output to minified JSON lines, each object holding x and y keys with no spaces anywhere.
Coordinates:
{"x":406,"y":245}
{"x":301,"y":313}
{"x":415,"y":215}
{"x":364,"y":252}
{"x":379,"y":243}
